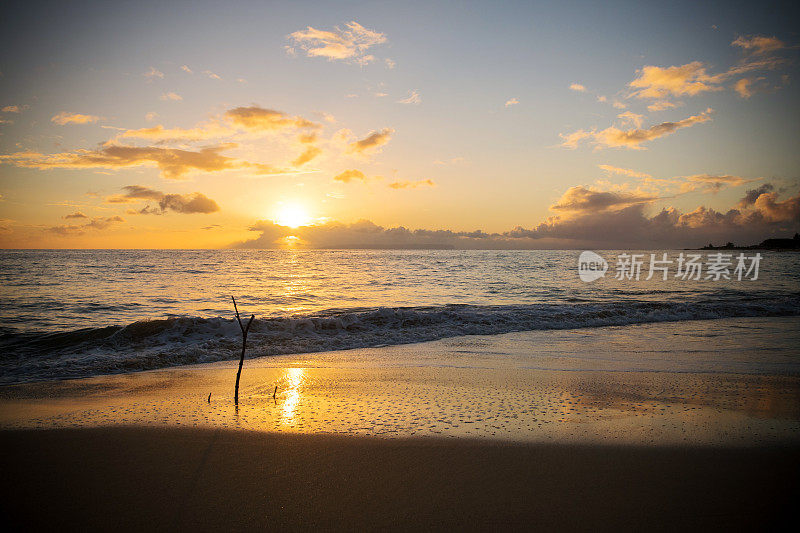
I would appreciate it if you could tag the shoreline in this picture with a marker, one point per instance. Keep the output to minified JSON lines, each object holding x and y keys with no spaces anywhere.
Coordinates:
{"x":613,"y":385}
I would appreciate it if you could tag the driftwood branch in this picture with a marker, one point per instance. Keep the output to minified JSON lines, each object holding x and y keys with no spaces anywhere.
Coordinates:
{"x":244,"y":329}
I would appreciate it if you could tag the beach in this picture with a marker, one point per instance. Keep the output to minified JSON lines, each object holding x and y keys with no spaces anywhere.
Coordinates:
{"x":596,"y":428}
{"x":158,"y":479}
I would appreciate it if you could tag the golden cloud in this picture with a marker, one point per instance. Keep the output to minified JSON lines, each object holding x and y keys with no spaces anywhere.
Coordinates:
{"x":608,"y":169}
{"x":257,"y":118}
{"x":614,"y":137}
{"x":350,"y":175}
{"x":308,"y":154}
{"x":685,"y":80}
{"x":349,"y":44}
{"x":173,"y":163}
{"x":759,"y":44}
{"x":65,"y":117}
{"x":402,"y":184}
{"x":371,"y":142}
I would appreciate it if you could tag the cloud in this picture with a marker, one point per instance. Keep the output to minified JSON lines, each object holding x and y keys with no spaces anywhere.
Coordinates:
{"x":188,"y":203}
{"x":252,"y":118}
{"x":710,"y":183}
{"x":402,"y":184}
{"x":608,"y":169}
{"x":97,"y":223}
{"x":159,"y":133}
{"x":175,"y":97}
{"x":349,"y":44}
{"x":775,"y":211}
{"x":257,"y":118}
{"x":614,"y":137}
{"x":211,"y":75}
{"x":349,"y":175}
{"x":412,"y":98}
{"x":684,"y":80}
{"x":174,"y":163}
{"x":371,"y":142}
{"x":153,"y":73}
{"x":186,"y":69}
{"x":752,"y":195}
{"x":693,"y":78}
{"x":179,"y":203}
{"x":133,"y":193}
{"x":13,"y":109}
{"x":150,"y":116}
{"x":390,"y":63}
{"x":65,"y":117}
{"x":662,"y":105}
{"x":628,"y":117}
{"x":758,"y":44}
{"x":511,"y":101}
{"x":578,"y":87}
{"x":451,"y":161}
{"x":76,"y":214}
{"x":581,"y":199}
{"x":743,"y":87}
{"x":747,"y":87}
{"x":308,"y":154}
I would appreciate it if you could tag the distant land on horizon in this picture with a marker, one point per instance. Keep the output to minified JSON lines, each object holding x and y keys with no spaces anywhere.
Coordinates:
{"x":768,"y":244}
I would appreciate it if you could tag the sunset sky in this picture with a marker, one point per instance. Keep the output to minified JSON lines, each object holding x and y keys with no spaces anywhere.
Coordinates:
{"x":485,"y":125}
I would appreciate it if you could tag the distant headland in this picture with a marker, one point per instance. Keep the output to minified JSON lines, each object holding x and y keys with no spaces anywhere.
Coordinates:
{"x":768,"y":244}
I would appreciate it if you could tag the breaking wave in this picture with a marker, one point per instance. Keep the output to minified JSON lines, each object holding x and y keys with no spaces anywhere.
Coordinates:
{"x":152,"y":344}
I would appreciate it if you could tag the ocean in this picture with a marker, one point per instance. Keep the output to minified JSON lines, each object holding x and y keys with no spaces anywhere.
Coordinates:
{"x":78,"y":313}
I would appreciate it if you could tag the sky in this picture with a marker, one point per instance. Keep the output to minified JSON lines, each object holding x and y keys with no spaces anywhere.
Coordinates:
{"x":397,"y":124}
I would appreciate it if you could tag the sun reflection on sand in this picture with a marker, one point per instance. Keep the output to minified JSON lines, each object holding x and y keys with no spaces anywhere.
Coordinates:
{"x":291,"y":388}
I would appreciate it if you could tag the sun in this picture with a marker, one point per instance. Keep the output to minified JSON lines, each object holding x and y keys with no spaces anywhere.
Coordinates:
{"x":293,"y":216}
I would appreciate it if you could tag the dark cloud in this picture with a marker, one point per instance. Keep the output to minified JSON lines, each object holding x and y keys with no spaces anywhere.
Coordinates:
{"x":582,"y":199}
{"x":752,"y":194}
{"x":178,"y":203}
{"x":97,"y":223}
{"x":188,"y":203}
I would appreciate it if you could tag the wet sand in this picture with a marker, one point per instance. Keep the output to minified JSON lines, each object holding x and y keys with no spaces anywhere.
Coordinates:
{"x":134,"y":479}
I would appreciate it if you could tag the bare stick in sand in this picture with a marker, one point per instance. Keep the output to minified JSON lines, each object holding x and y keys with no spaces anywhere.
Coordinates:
{"x":244,"y":329}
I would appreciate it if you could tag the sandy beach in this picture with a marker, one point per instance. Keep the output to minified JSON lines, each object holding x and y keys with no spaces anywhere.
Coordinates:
{"x":568,"y":430}
{"x":132,"y":479}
